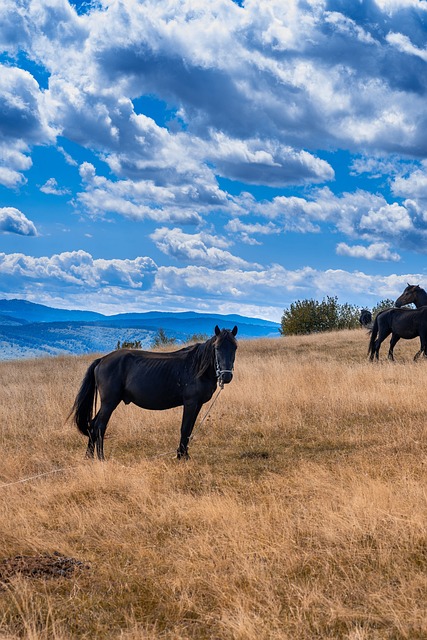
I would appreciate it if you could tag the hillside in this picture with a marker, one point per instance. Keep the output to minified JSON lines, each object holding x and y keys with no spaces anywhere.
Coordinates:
{"x":31,"y":330}
{"x":300,"y":515}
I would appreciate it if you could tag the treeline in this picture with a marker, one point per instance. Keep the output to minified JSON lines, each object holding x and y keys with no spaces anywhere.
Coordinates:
{"x":312,"y":316}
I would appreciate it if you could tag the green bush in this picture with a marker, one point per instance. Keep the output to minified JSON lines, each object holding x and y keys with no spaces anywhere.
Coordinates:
{"x":311,"y":316}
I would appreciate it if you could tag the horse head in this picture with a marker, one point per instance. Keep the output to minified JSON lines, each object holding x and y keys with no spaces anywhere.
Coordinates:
{"x":225,"y":345}
{"x":410,"y":294}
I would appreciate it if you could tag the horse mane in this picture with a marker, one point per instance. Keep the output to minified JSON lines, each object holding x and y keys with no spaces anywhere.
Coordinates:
{"x":203,"y":355}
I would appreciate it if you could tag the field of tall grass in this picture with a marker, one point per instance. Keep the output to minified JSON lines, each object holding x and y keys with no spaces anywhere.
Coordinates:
{"x":302,"y":513}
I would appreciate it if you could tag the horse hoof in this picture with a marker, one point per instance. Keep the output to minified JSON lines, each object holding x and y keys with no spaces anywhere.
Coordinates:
{"x":182,"y":456}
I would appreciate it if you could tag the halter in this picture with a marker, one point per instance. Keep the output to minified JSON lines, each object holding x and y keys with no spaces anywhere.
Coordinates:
{"x":220,"y":371}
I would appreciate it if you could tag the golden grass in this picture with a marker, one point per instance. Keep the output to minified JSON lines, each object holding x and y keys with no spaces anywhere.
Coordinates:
{"x":301,"y":515}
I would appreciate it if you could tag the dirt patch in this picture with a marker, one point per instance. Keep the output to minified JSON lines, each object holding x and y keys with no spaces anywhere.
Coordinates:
{"x":43,"y":565}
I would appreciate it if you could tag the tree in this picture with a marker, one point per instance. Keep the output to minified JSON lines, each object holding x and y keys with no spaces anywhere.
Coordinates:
{"x":136,"y":344}
{"x":311,"y":316}
{"x":197,"y":337}
{"x":161,"y":339}
{"x":382,"y":305}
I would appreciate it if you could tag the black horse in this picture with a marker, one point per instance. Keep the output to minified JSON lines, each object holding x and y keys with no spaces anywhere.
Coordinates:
{"x":153,"y":380}
{"x":412,"y":294}
{"x":401,"y":323}
{"x":365,"y":318}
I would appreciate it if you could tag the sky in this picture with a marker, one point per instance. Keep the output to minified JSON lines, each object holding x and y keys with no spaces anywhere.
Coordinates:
{"x":223,"y":157}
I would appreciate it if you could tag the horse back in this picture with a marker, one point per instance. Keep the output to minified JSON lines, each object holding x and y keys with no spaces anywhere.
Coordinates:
{"x":407,"y":323}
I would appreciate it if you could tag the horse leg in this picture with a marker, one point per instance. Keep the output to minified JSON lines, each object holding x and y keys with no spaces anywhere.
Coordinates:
{"x":91,"y":442}
{"x":99,"y":427}
{"x":394,"y":340}
{"x":422,"y":349}
{"x":189,"y":416}
{"x":382,"y":335}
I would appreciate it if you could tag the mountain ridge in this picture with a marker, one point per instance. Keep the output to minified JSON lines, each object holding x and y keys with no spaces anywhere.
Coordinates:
{"x":79,"y":332}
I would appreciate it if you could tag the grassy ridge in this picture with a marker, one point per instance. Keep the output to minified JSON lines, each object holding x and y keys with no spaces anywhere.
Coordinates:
{"x":300,"y":515}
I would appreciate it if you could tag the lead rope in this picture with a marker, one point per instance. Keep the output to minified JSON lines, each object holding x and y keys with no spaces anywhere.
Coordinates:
{"x":39,"y":475}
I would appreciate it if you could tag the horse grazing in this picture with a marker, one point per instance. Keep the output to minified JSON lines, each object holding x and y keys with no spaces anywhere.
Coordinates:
{"x":401,"y":323}
{"x":412,"y":294}
{"x":187,"y":377}
{"x":365,"y":318}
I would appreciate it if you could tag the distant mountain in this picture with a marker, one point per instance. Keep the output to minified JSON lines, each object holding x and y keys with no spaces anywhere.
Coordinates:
{"x":32,"y":312}
{"x":28,"y":330}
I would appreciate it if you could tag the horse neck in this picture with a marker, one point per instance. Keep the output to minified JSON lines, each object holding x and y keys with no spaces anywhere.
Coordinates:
{"x":421,"y":299}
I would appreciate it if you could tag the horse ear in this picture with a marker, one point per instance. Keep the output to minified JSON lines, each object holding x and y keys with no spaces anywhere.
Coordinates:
{"x":217,"y":330}
{"x":234,"y":331}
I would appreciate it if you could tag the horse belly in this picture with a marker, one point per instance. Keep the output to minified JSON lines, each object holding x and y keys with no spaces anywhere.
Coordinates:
{"x":150,"y":397}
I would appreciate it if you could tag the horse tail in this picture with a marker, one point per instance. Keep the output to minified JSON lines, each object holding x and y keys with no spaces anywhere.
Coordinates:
{"x":374,"y":332}
{"x":82,"y":410}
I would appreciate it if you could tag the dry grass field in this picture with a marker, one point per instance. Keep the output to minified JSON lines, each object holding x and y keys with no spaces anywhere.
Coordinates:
{"x":302,"y":513}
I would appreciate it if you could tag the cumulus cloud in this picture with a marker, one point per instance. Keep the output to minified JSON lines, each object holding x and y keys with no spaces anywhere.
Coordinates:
{"x":51,"y":187}
{"x":235,"y":289}
{"x":76,"y":270}
{"x":412,"y":185}
{"x":357,"y":214}
{"x":23,"y":122}
{"x":375,"y":251}
{"x":197,"y":248}
{"x":137,"y":199}
{"x":76,"y":279}
{"x":246,"y":232}
{"x":14,"y":221}
{"x":251,"y":94}
{"x":265,"y":162}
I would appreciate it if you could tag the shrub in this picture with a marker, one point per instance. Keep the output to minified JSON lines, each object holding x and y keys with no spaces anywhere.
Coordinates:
{"x":311,"y":316}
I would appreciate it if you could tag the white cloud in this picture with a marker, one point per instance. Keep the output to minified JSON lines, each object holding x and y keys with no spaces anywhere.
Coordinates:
{"x":253,"y":94}
{"x":404,"y":44}
{"x":391,"y":219}
{"x":374,"y":251}
{"x":358,"y":214}
{"x":264,"y":162}
{"x":77,"y":280}
{"x":247,"y":231}
{"x":197,"y":248}
{"x":14,"y":221}
{"x":51,"y":187}
{"x":68,"y":158}
{"x":414,"y":185}
{"x":76,"y":270}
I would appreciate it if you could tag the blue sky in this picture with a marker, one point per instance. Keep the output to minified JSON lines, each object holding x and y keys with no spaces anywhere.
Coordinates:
{"x":215,"y":156}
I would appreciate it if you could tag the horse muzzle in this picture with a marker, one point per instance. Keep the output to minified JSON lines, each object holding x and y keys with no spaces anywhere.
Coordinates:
{"x":225,"y":377}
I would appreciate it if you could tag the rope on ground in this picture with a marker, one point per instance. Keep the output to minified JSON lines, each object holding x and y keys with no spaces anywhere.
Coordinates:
{"x":160,"y":455}
{"x":39,"y":475}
